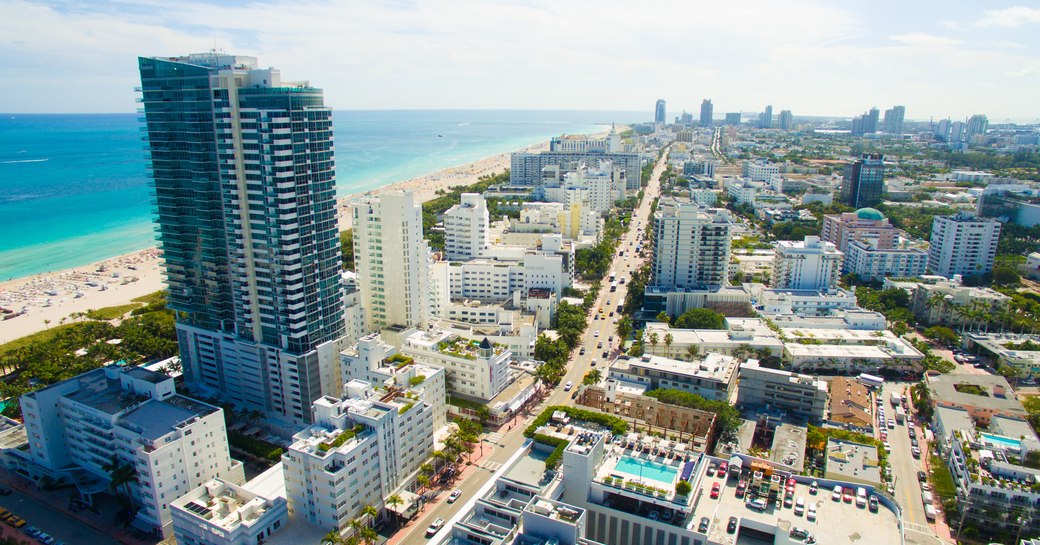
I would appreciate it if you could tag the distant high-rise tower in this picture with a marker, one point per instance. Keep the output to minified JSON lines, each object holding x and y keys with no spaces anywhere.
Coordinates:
{"x":706,"y":112}
{"x":245,"y":188}
{"x":392,"y":260}
{"x":659,"y":112}
{"x":765,"y":119}
{"x":977,"y":125}
{"x":733,"y":118}
{"x":893,"y":123}
{"x":863,"y":181}
{"x":786,"y":121}
{"x":866,"y":123}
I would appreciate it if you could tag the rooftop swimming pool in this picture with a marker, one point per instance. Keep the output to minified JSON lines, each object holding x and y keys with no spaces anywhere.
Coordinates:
{"x":646,"y":469}
{"x":1001,"y":441}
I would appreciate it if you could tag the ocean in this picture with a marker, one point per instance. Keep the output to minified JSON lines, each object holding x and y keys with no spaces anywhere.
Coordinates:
{"x":74,"y":190}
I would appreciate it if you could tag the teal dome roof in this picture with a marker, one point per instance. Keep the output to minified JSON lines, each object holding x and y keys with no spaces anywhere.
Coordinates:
{"x":869,"y":214}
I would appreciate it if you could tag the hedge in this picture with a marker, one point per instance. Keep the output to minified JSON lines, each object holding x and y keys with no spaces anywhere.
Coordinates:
{"x":556,"y":457}
{"x":617,"y":426}
{"x":254,"y":446}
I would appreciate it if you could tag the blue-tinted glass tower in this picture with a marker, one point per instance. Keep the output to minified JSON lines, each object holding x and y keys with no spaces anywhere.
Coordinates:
{"x":244,"y":180}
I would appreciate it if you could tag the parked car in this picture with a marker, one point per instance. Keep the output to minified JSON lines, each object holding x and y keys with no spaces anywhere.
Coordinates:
{"x":861,"y":497}
{"x":711,"y":469}
{"x":814,"y":488}
{"x":847,"y":494}
{"x":15,"y":521}
{"x":741,"y":488}
{"x":799,"y":506}
{"x":46,"y":539}
{"x":703,"y":526}
{"x":788,"y":501}
{"x":731,"y":527}
{"x":811,"y":513}
{"x":915,"y":452}
{"x":799,"y":533}
{"x":872,"y":502}
{"x":32,"y":531}
{"x":715,"y":488}
{"x":454,"y":495}
{"x":757,"y":503}
{"x":922,"y":476}
{"x":836,"y":494}
{"x":723,"y":466}
{"x":5,"y":490}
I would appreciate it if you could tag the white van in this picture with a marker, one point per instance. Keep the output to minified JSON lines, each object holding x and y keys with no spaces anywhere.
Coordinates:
{"x":861,"y":497}
{"x":929,"y":513}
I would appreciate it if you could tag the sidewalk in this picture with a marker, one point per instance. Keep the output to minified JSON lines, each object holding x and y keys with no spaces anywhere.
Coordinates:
{"x":58,"y":499}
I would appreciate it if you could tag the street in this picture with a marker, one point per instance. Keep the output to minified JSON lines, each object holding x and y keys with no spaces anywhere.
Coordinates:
{"x":512,"y":437}
{"x":52,"y":521}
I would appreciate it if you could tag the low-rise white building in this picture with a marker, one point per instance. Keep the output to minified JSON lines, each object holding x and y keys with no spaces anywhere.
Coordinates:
{"x":801,"y":302}
{"x":361,"y":449}
{"x":475,"y":369}
{"x":222,"y":513}
{"x":742,"y":334}
{"x":131,"y":417}
{"x":801,"y":395}
{"x":870,"y":263}
{"x":712,"y":376}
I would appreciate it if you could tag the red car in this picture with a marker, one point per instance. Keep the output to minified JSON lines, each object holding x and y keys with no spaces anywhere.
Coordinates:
{"x":847,"y":495}
{"x":722,"y":469}
{"x":741,"y":488}
{"x":715,"y":491}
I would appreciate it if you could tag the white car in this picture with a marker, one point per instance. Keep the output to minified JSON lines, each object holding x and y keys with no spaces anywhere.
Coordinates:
{"x":567,"y":387}
{"x":891,"y":424}
{"x":434,"y":527}
{"x":836,"y":494}
{"x":811,"y":513}
{"x":454,"y":495}
{"x":799,"y":506}
{"x":595,"y":334}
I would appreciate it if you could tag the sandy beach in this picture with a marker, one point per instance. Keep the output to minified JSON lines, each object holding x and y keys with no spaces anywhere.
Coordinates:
{"x":45,"y":299}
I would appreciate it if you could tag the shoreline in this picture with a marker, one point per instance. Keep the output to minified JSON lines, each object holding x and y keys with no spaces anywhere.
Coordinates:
{"x":51,"y":297}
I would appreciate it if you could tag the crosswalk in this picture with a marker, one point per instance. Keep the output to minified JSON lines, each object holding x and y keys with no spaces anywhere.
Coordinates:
{"x":493,"y":438}
{"x":491,"y":466}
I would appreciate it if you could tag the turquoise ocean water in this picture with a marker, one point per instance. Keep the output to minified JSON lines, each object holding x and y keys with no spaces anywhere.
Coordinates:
{"x":74,"y":190}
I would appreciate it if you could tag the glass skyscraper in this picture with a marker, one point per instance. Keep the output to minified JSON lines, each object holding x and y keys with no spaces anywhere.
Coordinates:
{"x":244,"y":180}
{"x":863,"y":181}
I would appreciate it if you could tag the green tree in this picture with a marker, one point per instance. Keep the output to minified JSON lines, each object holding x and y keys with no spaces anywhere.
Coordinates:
{"x":700,"y":318}
{"x":1006,"y":276}
{"x":942,"y":334}
{"x":346,"y":247}
{"x":592,"y":377}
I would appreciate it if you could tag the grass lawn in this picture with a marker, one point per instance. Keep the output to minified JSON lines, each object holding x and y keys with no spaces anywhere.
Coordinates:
{"x":111,"y":313}
{"x":41,"y":336}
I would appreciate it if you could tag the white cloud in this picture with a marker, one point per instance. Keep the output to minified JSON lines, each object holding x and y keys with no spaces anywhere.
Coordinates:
{"x":1023,"y":72}
{"x":1011,"y":17}
{"x":924,"y":40}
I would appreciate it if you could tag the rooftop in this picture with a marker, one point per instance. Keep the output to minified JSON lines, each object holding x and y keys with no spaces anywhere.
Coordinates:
{"x":713,"y":366}
{"x":853,"y":461}
{"x":950,"y":389}
{"x":154,"y":419}
{"x":223,"y":504}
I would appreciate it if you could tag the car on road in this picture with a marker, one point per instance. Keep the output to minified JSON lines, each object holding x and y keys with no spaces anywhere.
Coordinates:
{"x":836,"y":494}
{"x":454,"y":495}
{"x":46,"y":539}
{"x":891,"y":424}
{"x":582,"y":351}
{"x":596,"y":333}
{"x":567,"y":387}
{"x":434,"y":527}
{"x":715,"y":488}
{"x":32,"y":531}
{"x":811,"y":513}
{"x":593,"y":362}
{"x":703,"y":526}
{"x":731,"y":526}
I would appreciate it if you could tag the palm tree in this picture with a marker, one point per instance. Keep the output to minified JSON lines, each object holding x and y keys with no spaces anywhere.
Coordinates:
{"x":624,"y":329}
{"x":367,"y":535}
{"x":394,"y":501}
{"x":592,"y":377}
{"x":423,"y":481}
{"x":693,"y":351}
{"x":442,"y":457}
{"x":47,"y":324}
{"x":653,"y":343}
{"x":426,"y":469}
{"x":371,"y":512}
{"x":355,"y":528}
{"x":120,"y":476}
{"x":668,"y":340}
{"x":935,"y":300}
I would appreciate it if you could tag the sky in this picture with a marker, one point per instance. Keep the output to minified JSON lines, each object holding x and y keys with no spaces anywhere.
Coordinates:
{"x":952,"y":58}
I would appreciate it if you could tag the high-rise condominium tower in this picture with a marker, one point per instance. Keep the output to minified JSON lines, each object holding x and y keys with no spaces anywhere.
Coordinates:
{"x":244,"y":180}
{"x":659,"y":111}
{"x":706,"y":112}
{"x":864,"y":179}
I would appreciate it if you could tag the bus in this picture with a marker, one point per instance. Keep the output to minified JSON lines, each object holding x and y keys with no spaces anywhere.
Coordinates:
{"x":870,"y":381}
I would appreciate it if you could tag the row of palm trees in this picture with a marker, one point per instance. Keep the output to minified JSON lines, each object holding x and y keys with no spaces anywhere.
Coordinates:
{"x":980,"y":316}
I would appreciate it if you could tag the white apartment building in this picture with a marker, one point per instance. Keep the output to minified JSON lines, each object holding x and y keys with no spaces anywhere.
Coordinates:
{"x":691,"y":246}
{"x":466,"y":227}
{"x":223,"y":513}
{"x":870,"y":263}
{"x":392,"y":260}
{"x":943,"y":302}
{"x":712,"y":376}
{"x":134,"y":417}
{"x":353,"y":312}
{"x":601,"y":186}
{"x":802,"y":302}
{"x":963,"y":244}
{"x":379,"y":363}
{"x":801,"y":395}
{"x":478,"y":370}
{"x":573,"y":221}
{"x":361,"y":449}
{"x":500,"y":280}
{"x":580,"y":143}
{"x":761,"y":171}
{"x":742,"y":192}
{"x":808,"y":265}
{"x":704,"y":197}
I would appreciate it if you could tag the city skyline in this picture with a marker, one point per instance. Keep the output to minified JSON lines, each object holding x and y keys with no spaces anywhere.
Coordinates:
{"x":447,"y":56}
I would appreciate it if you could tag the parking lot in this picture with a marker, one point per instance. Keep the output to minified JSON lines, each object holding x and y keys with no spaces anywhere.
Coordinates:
{"x":836,"y":522}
